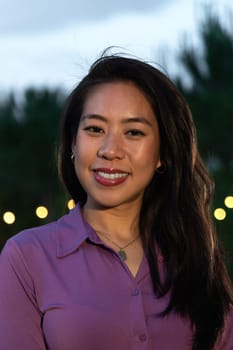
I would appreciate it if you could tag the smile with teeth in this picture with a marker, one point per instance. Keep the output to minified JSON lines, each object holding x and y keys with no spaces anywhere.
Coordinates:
{"x":112,"y":176}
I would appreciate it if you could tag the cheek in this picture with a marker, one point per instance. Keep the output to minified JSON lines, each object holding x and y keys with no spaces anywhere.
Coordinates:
{"x":80,"y":156}
{"x":147,"y":155}
{"x":80,"y":147}
{"x":85,"y":152}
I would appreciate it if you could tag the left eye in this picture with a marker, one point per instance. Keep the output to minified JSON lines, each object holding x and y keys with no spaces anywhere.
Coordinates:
{"x":135,"y":132}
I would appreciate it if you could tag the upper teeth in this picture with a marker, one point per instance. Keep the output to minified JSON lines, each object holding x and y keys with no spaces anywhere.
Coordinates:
{"x":111,"y":176}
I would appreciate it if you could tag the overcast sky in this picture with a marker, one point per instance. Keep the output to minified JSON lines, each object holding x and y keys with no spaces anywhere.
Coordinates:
{"x":53,"y":42}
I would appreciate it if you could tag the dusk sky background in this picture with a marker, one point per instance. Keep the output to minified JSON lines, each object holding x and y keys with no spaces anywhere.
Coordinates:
{"x":53,"y":42}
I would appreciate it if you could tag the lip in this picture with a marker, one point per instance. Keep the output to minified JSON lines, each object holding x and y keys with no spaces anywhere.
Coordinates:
{"x":110,"y":176}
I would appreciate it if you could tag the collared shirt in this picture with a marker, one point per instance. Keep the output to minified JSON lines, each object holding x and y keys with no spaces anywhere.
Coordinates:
{"x":63,"y":289}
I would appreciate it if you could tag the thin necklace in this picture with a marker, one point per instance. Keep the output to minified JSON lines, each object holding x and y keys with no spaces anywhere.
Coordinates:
{"x":121,"y":252}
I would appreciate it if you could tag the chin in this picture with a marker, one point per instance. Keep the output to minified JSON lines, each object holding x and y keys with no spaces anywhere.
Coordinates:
{"x":108,"y":203}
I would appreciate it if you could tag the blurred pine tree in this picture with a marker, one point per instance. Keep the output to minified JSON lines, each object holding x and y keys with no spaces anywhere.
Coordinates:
{"x":210,"y":97}
{"x":28,"y":146}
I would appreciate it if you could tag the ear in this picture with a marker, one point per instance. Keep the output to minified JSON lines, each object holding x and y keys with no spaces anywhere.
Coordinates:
{"x":161,"y":168}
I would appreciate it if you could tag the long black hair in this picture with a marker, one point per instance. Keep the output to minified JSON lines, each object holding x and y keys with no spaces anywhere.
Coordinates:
{"x":175,"y":212}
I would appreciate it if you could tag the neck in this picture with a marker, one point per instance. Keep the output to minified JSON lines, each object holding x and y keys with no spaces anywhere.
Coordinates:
{"x":120,"y":224}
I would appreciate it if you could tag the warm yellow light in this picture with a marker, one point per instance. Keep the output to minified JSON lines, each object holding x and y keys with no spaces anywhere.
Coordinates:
{"x":220,"y":214}
{"x":229,"y":201}
{"x":9,"y":217}
{"x":71,"y":204}
{"x":42,"y":212}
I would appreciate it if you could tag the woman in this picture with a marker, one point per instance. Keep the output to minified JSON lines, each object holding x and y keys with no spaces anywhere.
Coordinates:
{"x":136,"y":264}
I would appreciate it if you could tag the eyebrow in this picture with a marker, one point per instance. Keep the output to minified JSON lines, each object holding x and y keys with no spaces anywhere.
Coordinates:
{"x":141,"y":120}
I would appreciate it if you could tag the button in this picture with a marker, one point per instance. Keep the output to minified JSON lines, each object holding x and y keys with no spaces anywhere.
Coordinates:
{"x":135,"y":292}
{"x":142,"y":337}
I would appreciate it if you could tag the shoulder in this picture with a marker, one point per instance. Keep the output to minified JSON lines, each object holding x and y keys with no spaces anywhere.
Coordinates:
{"x":33,"y":238}
{"x":28,"y":244}
{"x":48,"y":238}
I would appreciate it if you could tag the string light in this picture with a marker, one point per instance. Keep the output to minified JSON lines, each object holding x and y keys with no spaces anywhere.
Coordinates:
{"x":41,"y":212}
{"x":71,"y":204}
{"x":9,"y":217}
{"x":220,"y":214}
{"x":229,"y":201}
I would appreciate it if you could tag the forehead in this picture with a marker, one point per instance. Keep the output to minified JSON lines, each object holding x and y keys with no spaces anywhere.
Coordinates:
{"x":116,"y":86}
{"x":117,"y":96}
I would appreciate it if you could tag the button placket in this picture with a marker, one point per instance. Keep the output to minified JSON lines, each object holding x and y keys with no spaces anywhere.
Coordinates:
{"x":139,"y":328}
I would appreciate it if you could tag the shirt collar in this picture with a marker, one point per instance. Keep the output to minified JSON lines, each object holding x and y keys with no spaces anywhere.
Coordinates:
{"x":71,"y":232}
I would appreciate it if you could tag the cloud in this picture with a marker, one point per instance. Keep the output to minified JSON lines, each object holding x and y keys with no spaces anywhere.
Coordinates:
{"x":27,"y":16}
{"x":54,"y":47}
{"x":61,"y":57}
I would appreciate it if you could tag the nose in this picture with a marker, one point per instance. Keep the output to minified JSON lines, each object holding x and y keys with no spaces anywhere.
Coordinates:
{"x":111,"y":148}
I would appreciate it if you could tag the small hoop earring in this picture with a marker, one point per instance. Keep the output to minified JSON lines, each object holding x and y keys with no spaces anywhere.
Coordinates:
{"x":161,"y":169}
{"x":72,"y":157}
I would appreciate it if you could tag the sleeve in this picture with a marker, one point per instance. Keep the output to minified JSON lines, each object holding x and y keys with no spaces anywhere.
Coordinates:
{"x":20,"y":321}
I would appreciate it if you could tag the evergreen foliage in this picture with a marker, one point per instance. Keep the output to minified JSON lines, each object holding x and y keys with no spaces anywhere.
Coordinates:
{"x":28,"y":147}
{"x":210,"y":97}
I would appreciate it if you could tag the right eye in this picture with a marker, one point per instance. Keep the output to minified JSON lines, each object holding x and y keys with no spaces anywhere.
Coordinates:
{"x":93,"y":129}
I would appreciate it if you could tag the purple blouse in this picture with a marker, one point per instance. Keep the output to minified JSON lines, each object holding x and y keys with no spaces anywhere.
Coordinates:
{"x":63,"y":289}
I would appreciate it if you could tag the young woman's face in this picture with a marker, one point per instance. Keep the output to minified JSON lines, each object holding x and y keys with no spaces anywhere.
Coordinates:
{"x":116,"y":148}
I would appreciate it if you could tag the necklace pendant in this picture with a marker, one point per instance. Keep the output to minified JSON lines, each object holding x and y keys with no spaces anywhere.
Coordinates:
{"x":122,"y":255}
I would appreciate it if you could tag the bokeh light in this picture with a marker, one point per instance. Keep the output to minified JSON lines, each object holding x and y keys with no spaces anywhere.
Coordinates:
{"x":229,"y":201}
{"x":41,"y":212}
{"x":220,"y":214}
{"x":71,"y":204}
{"x":9,"y":217}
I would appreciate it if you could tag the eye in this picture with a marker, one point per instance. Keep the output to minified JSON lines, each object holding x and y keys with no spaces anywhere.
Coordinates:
{"x":94,"y":129}
{"x":135,"y":132}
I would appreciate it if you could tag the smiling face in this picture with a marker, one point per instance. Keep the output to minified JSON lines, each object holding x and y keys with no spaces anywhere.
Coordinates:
{"x":116,"y":147}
